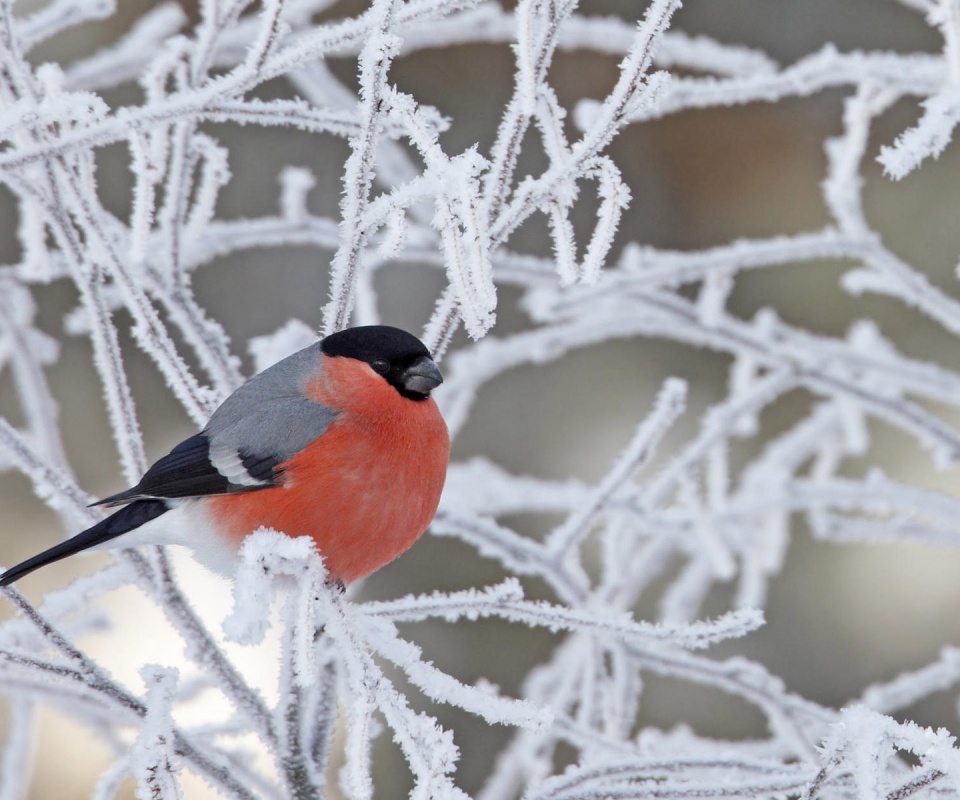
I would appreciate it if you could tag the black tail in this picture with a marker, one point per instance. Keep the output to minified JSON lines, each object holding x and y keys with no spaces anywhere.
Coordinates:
{"x":126,"y":519}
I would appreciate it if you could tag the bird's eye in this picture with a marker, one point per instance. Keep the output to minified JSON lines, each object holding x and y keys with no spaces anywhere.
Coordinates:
{"x":381,"y":365}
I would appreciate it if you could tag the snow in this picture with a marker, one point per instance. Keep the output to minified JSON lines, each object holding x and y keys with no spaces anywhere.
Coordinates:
{"x":681,"y":511}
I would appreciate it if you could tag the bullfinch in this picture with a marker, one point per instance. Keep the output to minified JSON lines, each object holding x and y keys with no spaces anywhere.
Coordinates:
{"x":341,"y":442}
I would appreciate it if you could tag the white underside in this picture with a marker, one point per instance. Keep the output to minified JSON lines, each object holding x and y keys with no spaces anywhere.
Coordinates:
{"x":186,"y":524}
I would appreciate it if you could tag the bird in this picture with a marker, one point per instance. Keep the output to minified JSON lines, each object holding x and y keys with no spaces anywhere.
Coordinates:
{"x":341,"y":441}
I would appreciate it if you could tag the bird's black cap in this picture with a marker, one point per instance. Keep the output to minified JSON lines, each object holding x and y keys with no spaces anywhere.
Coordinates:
{"x":372,"y":342}
{"x":400,"y":357}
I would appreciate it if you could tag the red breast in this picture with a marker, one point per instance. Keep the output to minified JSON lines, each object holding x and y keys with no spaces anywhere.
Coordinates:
{"x":366,"y":489}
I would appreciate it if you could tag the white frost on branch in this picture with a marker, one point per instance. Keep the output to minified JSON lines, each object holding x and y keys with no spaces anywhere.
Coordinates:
{"x":927,"y":139}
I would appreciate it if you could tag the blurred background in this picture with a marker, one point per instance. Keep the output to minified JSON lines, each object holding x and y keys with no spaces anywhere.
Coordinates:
{"x":838,"y":617}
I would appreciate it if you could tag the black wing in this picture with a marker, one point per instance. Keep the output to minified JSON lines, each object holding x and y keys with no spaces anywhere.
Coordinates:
{"x":187,"y":471}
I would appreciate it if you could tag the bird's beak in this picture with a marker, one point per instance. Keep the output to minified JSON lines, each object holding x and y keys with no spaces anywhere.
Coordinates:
{"x":422,"y":376}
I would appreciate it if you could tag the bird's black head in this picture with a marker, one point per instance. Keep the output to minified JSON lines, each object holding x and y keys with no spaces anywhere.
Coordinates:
{"x":401,"y":358}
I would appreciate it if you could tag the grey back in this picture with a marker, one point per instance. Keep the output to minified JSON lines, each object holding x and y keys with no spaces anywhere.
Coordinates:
{"x":269,"y":416}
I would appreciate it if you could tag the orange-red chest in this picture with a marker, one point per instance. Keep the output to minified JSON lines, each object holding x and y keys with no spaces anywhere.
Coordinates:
{"x":366,"y":489}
